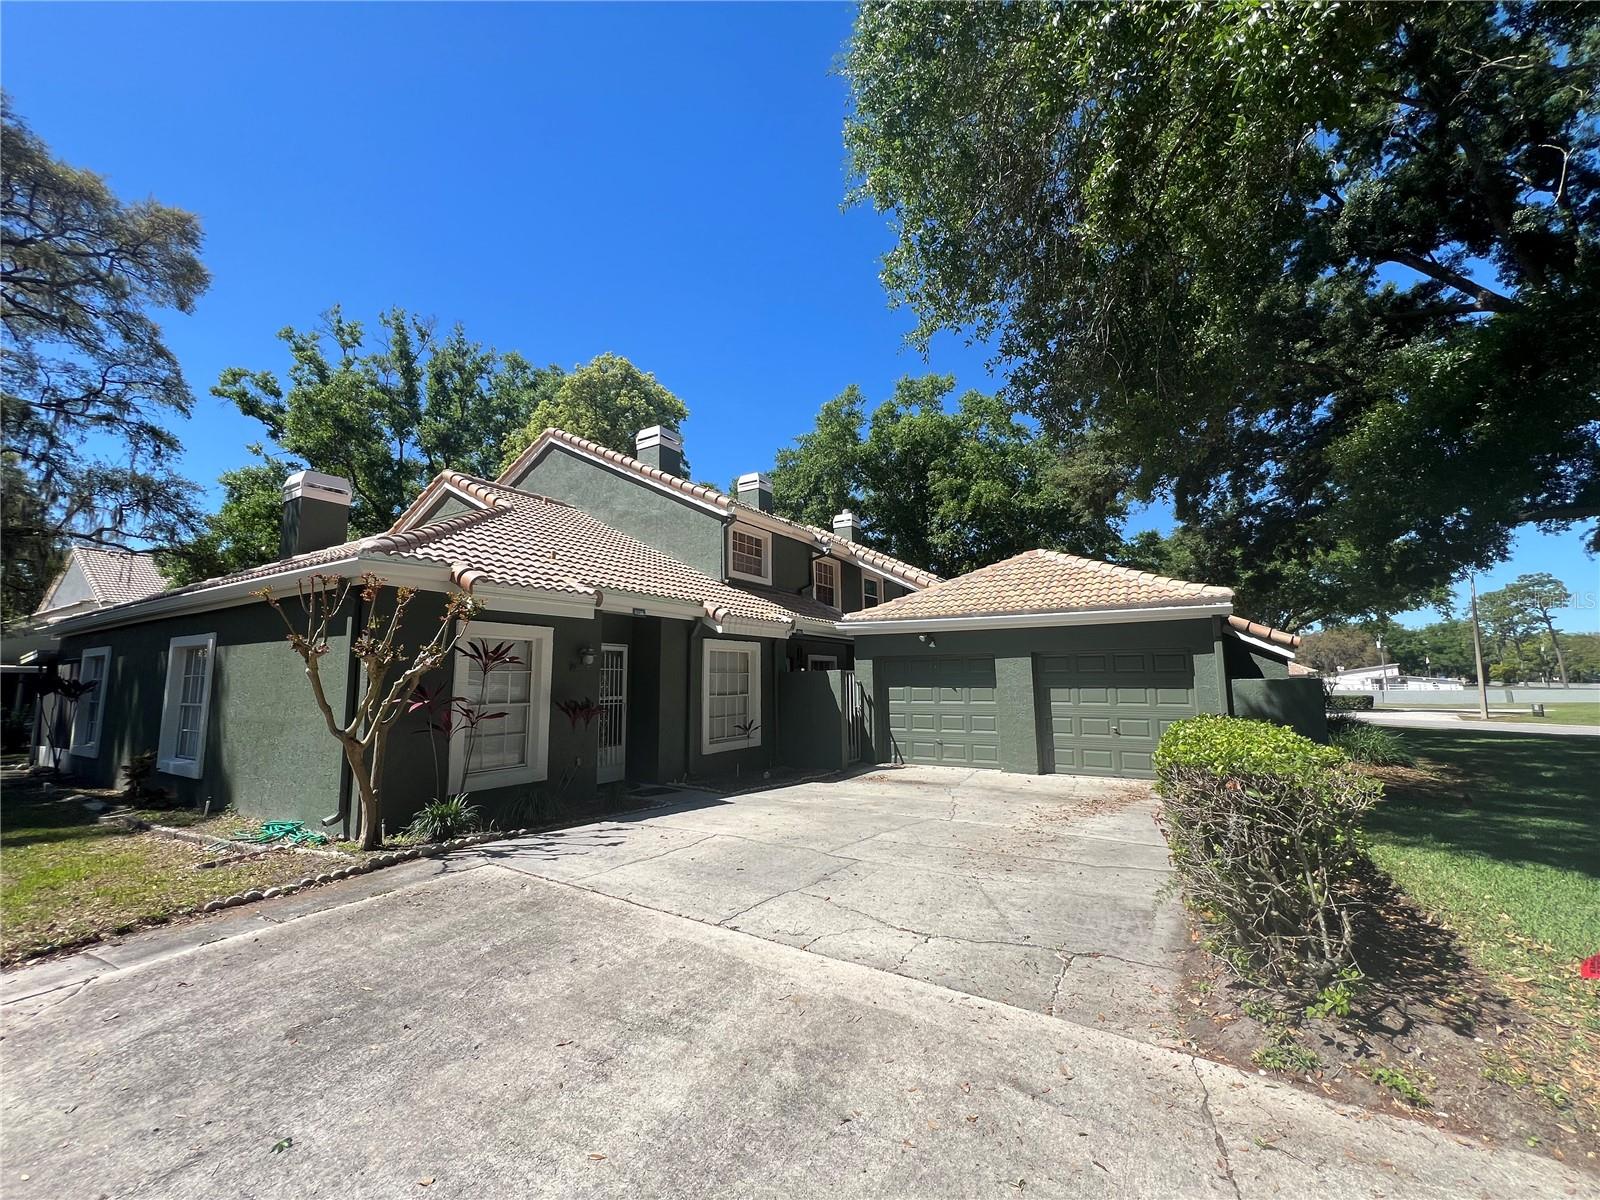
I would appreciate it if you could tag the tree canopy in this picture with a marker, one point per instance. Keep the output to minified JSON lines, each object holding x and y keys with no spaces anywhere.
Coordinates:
{"x":1325,"y":274}
{"x":389,"y":413}
{"x":607,"y":400}
{"x":88,"y":387}
{"x":945,"y":489}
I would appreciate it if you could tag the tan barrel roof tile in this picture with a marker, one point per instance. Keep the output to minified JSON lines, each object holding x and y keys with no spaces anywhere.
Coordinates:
{"x":1043,"y":581}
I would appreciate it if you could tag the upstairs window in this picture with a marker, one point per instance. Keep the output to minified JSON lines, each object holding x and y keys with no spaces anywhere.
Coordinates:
{"x":749,"y":556}
{"x":871,"y":595}
{"x":825,"y":582}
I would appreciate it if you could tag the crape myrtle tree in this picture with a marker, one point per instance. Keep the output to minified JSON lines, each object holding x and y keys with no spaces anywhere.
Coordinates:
{"x":376,"y":614}
{"x":1326,"y":274}
{"x":949,"y":489}
{"x":88,"y":386}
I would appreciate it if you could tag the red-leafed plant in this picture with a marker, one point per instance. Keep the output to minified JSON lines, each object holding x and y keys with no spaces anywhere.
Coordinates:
{"x":67,"y":692}
{"x":448,"y":715}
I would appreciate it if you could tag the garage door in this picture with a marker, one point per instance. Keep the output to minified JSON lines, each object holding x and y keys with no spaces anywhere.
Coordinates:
{"x":1103,"y":712}
{"x":942,"y":710}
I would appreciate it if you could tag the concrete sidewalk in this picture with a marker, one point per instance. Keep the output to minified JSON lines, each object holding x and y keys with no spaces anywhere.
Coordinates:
{"x":483,"y":1033}
{"x":1423,"y":719}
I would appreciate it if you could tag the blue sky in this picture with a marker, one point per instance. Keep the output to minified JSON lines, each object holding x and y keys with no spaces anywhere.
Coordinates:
{"x":660,"y":181}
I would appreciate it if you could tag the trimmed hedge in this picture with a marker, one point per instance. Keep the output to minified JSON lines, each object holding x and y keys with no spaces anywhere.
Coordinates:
{"x":1264,"y":827}
{"x":1349,"y":702}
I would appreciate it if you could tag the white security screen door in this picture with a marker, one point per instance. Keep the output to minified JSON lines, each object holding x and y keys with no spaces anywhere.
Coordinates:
{"x":613,"y":714}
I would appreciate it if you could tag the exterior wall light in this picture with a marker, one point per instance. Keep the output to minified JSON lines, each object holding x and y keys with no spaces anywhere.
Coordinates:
{"x":586,"y":655}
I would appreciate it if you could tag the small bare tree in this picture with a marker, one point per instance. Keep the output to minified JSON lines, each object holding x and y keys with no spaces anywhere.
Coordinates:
{"x":377,"y":647}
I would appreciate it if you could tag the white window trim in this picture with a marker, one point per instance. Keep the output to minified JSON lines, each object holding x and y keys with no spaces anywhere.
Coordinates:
{"x":880,"y":580}
{"x":89,"y":746}
{"x":754,"y":650}
{"x":166,"y":763}
{"x":537,"y":766}
{"x":838,"y":583}
{"x":766,"y":553}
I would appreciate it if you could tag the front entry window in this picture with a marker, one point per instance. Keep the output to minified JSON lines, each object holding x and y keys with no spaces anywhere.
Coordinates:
{"x":731,"y":696}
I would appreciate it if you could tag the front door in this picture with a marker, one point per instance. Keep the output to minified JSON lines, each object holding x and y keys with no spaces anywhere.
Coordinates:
{"x":613,"y":758}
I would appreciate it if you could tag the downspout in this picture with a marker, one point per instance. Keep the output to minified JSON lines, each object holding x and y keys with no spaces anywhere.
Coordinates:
{"x":688,"y":680}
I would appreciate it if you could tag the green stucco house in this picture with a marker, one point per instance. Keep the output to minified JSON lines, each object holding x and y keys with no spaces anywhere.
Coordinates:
{"x":709,"y":636}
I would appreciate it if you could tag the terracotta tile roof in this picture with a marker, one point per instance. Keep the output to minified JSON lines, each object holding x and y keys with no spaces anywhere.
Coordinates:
{"x":1265,"y":632}
{"x":117,"y":576}
{"x":710,"y":496}
{"x":800,"y":604}
{"x":1041,"y":581}
{"x":522,"y":539}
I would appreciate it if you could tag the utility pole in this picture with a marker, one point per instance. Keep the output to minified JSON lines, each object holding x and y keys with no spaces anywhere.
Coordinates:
{"x":1477,"y":652}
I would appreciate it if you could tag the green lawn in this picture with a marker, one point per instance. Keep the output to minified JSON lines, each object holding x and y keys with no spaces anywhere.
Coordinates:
{"x":1523,"y":851}
{"x":64,"y":879}
{"x":1503,"y":843}
{"x":1577,"y":713}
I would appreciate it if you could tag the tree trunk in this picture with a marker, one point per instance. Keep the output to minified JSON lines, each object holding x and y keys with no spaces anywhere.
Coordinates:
{"x":1561,"y":659}
{"x":371,"y":831}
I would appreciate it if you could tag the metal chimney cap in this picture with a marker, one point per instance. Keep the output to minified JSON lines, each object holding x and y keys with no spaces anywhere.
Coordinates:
{"x":658,"y":435}
{"x":314,"y":485}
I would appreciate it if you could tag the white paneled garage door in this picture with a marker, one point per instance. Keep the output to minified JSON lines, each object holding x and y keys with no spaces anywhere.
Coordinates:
{"x":1102,"y":712}
{"x":942,"y":710}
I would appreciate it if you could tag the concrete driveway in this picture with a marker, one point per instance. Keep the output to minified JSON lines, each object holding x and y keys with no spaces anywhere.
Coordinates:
{"x":1046,"y":892}
{"x":485,"y":1026}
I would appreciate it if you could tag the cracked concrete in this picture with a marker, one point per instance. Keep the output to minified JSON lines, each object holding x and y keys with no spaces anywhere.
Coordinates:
{"x":487,"y":1034}
{"x":973,"y":880}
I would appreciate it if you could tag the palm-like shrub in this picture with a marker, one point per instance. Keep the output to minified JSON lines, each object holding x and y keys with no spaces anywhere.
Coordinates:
{"x":1264,"y":830}
{"x":1371,"y":744}
{"x":441,"y":820}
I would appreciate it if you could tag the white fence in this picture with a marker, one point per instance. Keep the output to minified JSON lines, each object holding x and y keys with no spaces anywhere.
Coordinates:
{"x":1516,"y":696}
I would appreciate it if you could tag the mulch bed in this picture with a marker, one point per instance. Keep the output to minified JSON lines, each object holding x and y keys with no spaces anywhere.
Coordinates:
{"x":1425,"y":1012}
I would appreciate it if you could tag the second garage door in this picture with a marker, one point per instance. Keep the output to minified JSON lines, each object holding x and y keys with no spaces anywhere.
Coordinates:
{"x":942,"y":710}
{"x":1102,"y":712}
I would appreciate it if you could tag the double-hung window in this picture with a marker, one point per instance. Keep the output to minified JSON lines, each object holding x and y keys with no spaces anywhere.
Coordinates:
{"x":731,"y":695}
{"x":747,"y":556}
{"x":94,"y":668}
{"x":513,"y":748}
{"x":871,"y":594}
{"x":186,"y":706}
{"x":825,"y":581}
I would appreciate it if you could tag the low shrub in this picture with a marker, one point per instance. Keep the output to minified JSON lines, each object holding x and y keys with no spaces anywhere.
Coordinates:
{"x":1264,"y":827}
{"x":440,"y":820}
{"x":1348,"y":702}
{"x":1371,"y":744}
{"x":1284,"y":1053}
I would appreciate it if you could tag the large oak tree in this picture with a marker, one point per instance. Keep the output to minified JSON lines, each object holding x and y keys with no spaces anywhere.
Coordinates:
{"x":1325,"y":274}
{"x":949,"y":489}
{"x":88,"y":387}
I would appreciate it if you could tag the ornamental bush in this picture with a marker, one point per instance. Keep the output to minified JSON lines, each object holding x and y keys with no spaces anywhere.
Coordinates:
{"x":1264,"y":827}
{"x":1348,"y":702}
